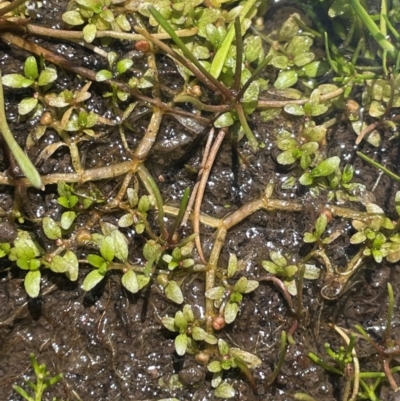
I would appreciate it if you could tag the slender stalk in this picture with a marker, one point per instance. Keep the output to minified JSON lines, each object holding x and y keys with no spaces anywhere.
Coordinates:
{"x":243,"y":121}
{"x":76,"y":35}
{"x":239,"y":55}
{"x":212,"y":266}
{"x":389,"y":312}
{"x":253,"y":77}
{"x":160,"y":204}
{"x":222,"y":53}
{"x":209,"y":77}
{"x":316,"y":359}
{"x":378,"y":35}
{"x":179,"y":217}
{"x":379,"y":166}
{"x":22,"y":159}
{"x":202,"y":186}
{"x":356,"y":363}
{"x":278,"y":367}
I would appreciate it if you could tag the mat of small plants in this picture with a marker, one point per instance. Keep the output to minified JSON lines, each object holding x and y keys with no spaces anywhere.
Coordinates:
{"x":199,"y":200}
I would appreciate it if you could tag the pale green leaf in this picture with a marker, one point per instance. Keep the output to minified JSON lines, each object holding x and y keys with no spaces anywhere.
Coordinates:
{"x":32,"y":283}
{"x":181,"y":343}
{"x":129,"y":281}
{"x":91,"y":280}
{"x":174,"y":292}
{"x":51,"y":228}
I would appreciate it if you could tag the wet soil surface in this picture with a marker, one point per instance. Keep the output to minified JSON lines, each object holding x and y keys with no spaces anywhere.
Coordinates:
{"x":110,"y":344}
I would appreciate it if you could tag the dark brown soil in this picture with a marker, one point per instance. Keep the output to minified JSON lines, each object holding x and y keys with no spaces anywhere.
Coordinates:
{"x":110,"y":344}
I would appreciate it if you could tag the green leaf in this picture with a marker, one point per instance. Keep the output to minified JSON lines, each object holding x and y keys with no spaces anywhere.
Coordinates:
{"x":286,"y":79}
{"x":320,"y":225}
{"x":251,"y":286}
{"x":230,"y":312}
{"x":29,"y":264}
{"x":198,"y":334}
{"x":252,"y":48}
{"x":306,"y":179}
{"x":107,"y":249}
{"x":315,"y":69}
{"x":103,"y":75}
{"x":47,"y":76}
{"x":89,"y":32}
{"x":188,"y":313}
{"x":95,"y":260}
{"x":181,"y":321}
{"x":144,"y":204}
{"x":151,"y":249}
{"x":270,"y":267}
{"x":25,"y":106}
{"x":215,"y":293}
{"x":107,"y":15}
{"x":16,"y":81}
{"x":169,"y":323}
{"x":252,"y":361}
{"x":67,"y":264}
{"x":232,"y":265}
{"x":224,"y":390}
{"x":92,"y":279}
{"x":223,"y":347}
{"x":73,"y":265}
{"x":224,"y":120}
{"x":326,"y":167}
{"x":31,"y":68}
{"x":142,"y":280}
{"x":174,"y":292}
{"x":129,"y":281}
{"x":73,"y":18}
{"x":280,"y":62}
{"x":309,"y":238}
{"x":32,"y":283}
{"x":67,"y":219}
{"x":304,"y":58}
{"x":123,"y":22}
{"x":214,"y":367}
{"x":294,"y":109}
{"x":311,"y":272}
{"x":240,"y":285}
{"x":278,"y":258}
{"x":51,"y":228}
{"x":133,"y":197}
{"x":286,"y":157}
{"x":124,"y":65}
{"x":120,"y":245}
{"x":181,"y":343}
{"x":348,"y":173}
{"x":25,"y":247}
{"x":358,"y":238}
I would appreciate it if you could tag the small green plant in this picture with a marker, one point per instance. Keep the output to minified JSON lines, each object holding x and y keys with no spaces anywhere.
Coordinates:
{"x":39,"y":81}
{"x":43,"y":381}
{"x":369,"y":232}
{"x":229,"y":297}
{"x":97,"y":16}
{"x":279,"y":267}
{"x":189,"y":331}
{"x":230,"y":358}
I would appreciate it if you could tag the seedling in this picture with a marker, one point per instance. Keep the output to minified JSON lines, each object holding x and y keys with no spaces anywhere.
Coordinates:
{"x":44,"y":380}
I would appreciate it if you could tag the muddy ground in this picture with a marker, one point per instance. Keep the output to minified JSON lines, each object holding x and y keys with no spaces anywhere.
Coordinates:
{"x":108,"y":343}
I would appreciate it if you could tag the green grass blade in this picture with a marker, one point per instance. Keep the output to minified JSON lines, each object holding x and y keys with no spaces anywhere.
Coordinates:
{"x":220,"y":57}
{"x":21,"y":158}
